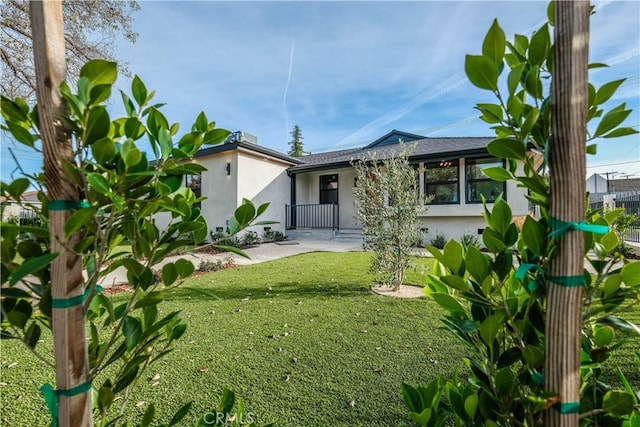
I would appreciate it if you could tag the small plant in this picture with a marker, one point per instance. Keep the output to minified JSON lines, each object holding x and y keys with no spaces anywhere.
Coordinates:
{"x":469,"y":240}
{"x":273,"y":236}
{"x":439,"y":241}
{"x":250,"y":238}
{"x":219,"y":238}
{"x":217,"y":265}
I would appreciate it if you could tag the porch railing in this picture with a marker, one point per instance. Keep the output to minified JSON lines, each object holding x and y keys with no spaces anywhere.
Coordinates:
{"x":312,"y":216}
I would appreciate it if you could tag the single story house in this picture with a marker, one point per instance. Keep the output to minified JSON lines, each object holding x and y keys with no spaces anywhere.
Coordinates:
{"x":315,"y":192}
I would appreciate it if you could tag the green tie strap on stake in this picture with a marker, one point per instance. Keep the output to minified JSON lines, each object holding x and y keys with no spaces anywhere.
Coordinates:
{"x":52,"y":397}
{"x":522,"y":271}
{"x":559,"y":227}
{"x":62,"y":303}
{"x":67,"y":205}
{"x":537,"y":378}
{"x":567,"y":281}
{"x":567,"y":407}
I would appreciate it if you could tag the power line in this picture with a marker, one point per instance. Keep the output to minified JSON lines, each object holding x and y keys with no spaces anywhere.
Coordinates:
{"x":614,"y":164}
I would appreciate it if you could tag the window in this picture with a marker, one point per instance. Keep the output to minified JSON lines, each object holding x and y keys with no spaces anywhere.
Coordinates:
{"x":194,"y":183}
{"x":329,"y":189}
{"x":478,"y":184}
{"x":441,"y":181}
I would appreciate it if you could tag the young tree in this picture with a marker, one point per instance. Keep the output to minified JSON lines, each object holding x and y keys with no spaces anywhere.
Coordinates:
{"x":297,"y":147}
{"x":83,"y":20}
{"x":387,"y":203}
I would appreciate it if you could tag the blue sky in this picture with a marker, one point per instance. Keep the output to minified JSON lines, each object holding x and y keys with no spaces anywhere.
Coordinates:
{"x":348,"y":72}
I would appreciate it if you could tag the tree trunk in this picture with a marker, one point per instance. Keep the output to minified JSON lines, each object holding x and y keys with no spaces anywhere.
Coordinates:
{"x":567,"y":203}
{"x":68,"y":323}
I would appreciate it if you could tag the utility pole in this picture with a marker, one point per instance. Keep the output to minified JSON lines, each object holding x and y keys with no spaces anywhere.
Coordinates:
{"x":612,"y":175}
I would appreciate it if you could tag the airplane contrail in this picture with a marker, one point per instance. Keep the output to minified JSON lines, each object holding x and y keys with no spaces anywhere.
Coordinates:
{"x":286,"y":89}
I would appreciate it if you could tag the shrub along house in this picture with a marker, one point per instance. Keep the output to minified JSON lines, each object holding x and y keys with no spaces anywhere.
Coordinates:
{"x":313,"y":195}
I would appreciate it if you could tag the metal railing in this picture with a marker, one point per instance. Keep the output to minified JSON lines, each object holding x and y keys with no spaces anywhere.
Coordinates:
{"x":630,"y":201}
{"x":312,"y":216}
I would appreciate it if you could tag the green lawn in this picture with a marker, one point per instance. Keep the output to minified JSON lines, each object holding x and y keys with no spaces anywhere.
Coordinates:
{"x":301,"y":340}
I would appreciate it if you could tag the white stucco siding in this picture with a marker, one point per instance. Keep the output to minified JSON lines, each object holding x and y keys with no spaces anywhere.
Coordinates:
{"x":220,"y":189}
{"x":262,"y":179}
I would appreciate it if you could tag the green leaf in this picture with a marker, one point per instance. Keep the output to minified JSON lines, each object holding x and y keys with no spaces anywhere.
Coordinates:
{"x":490,"y":327}
{"x":103,"y":150}
{"x":100,"y":72}
{"x":17,"y":187}
{"x":98,"y":124}
{"x":215,"y":136}
{"x":471,"y":405}
{"x":494,"y":43}
{"x":505,"y":382}
{"x":412,"y":398}
{"x":533,"y":356}
{"x":492,"y":240}
{"x":606,"y":91}
{"x":139,"y":91}
{"x":532,"y":82}
{"x":184,"y":268}
{"x":611,"y":120}
{"x":21,"y":134}
{"x":148,"y":416}
{"x":128,"y":105}
{"x":616,"y":133}
{"x":453,"y":257}
{"x":498,"y":174}
{"x":477,"y":264}
{"x":619,"y":324}
{"x":501,"y":216}
{"x":593,"y":148}
{"x":603,"y":336}
{"x":491,"y":113}
{"x":448,"y":302}
{"x":79,"y":219}
{"x":201,"y":123}
{"x":482,"y":72}
{"x":32,"y":335}
{"x":169,"y":274}
{"x":31,"y":266}
{"x":514,"y":78}
{"x":539,"y":46}
{"x":130,"y":154}
{"x":521,"y":44}
{"x":133,"y":128}
{"x":618,"y":402}
{"x":245,"y":213}
{"x":530,"y":121}
{"x":533,"y":235}
{"x":631,"y":274}
{"x":131,"y":329}
{"x":99,"y":93}
{"x":12,"y":111}
{"x":99,"y":183}
{"x":182,"y":412}
{"x":505,"y":148}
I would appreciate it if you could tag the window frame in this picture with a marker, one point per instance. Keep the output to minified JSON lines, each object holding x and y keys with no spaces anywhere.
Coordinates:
{"x":439,"y":165}
{"x":469,"y":181}
{"x":323,"y":191}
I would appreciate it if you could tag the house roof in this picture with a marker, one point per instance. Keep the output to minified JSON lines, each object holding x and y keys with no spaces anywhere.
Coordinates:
{"x":228,"y":146}
{"x":424,"y":149}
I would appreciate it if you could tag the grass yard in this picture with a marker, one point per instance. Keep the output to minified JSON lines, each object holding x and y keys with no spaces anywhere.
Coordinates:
{"x":301,"y":340}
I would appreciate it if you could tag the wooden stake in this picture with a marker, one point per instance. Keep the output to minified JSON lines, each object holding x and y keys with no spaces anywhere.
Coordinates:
{"x":68,"y":324}
{"x":567,"y":203}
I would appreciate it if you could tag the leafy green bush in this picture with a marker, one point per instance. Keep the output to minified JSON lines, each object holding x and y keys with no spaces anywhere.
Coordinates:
{"x":250,"y":238}
{"x":273,"y":236}
{"x":216,"y":265}
{"x":468,"y":240}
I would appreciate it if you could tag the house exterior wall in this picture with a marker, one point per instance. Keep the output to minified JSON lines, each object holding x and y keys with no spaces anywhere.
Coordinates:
{"x":261,"y":180}
{"x":452,"y":220}
{"x":220,"y":189}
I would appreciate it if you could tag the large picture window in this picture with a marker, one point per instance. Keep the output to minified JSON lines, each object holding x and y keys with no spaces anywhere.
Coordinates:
{"x":478,"y":184}
{"x":329,"y":189}
{"x":441,"y":180}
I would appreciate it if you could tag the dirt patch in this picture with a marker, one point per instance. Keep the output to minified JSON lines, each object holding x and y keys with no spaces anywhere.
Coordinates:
{"x":117,"y":289}
{"x":405,"y":291}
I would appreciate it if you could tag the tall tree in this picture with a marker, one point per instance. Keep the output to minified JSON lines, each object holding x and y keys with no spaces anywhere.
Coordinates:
{"x":297,"y":147}
{"x":90,"y":30}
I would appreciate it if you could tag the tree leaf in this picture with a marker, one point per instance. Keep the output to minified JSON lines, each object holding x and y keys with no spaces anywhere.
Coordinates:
{"x":611,"y":120}
{"x":616,"y":133}
{"x":99,"y":183}
{"x":448,"y":302}
{"x":79,"y":219}
{"x":100,"y":72}
{"x":21,"y":134}
{"x":533,"y":235}
{"x":139,"y":91}
{"x":505,"y":148}
{"x":131,"y":329}
{"x":617,"y":402}
{"x":245,"y":213}
{"x":539,"y":46}
{"x":498,"y":174}
{"x":631,"y":274}
{"x":481,"y":72}
{"x":606,"y":91}
{"x":494,"y":43}
{"x":215,"y":136}
{"x":98,"y":124}
{"x":31,"y":266}
{"x":182,"y":412}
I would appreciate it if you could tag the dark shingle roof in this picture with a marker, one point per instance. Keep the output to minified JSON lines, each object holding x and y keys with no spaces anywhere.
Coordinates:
{"x":248,"y":146}
{"x":423,"y":150}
